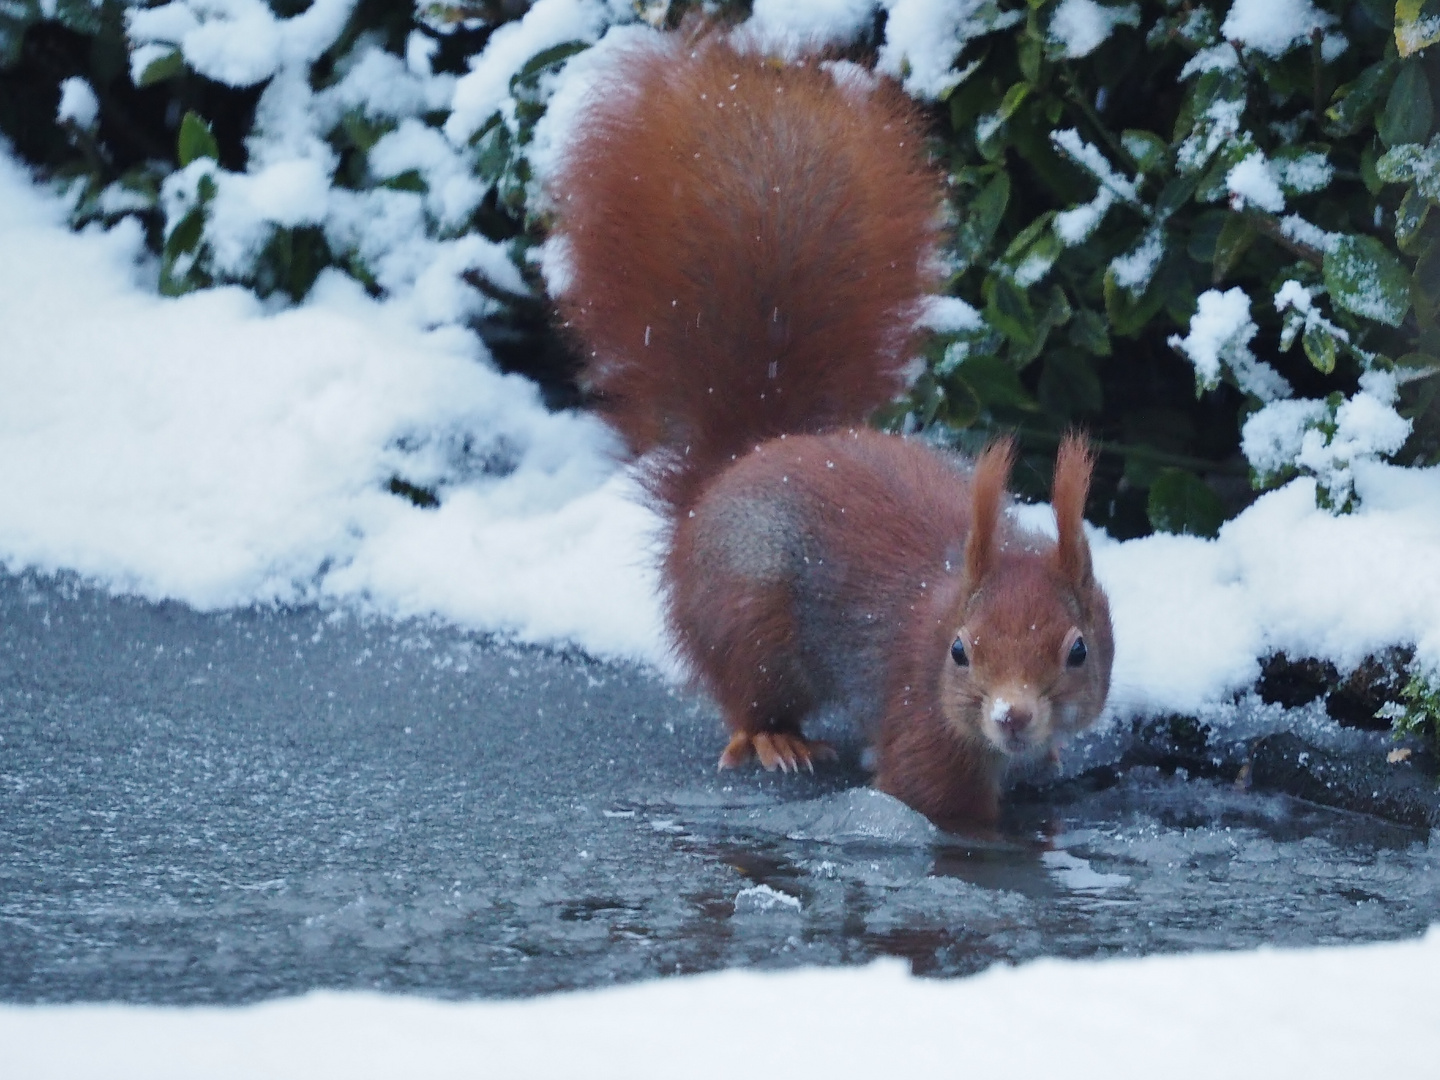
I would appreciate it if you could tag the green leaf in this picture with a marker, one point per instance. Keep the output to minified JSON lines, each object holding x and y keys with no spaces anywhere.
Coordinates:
{"x":1409,"y":110}
{"x":1029,"y":52}
{"x":995,"y":382}
{"x":1088,"y":332}
{"x":1425,"y":285}
{"x":1069,"y":387}
{"x":1013,"y":99}
{"x":551,"y":57}
{"x":1148,"y":149}
{"x":493,"y":151}
{"x":1355,"y":102}
{"x":162,"y":68}
{"x":1411,"y":163}
{"x":1180,"y":502}
{"x":988,"y":207}
{"x":81,"y":16}
{"x":1418,"y":361}
{"x":1236,"y":236}
{"x":409,"y":180}
{"x":1008,"y":309}
{"x":1363,"y":277}
{"x":1410,"y":219}
{"x":185,"y":235}
{"x":1175,"y":195}
{"x":1319,"y":345}
{"x":196,"y":140}
{"x":1128,"y":315}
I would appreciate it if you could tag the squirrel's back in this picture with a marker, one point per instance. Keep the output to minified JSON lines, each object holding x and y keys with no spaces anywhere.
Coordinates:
{"x":749,"y":244}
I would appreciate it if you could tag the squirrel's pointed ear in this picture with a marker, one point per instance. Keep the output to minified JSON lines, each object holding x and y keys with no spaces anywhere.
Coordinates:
{"x":987,"y":495}
{"x":1073,"y":466}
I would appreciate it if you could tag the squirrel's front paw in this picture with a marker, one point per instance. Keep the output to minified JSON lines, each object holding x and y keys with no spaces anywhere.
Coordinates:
{"x":787,"y":751}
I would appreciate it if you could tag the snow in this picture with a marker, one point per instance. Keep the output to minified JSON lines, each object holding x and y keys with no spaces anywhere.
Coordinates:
{"x":78,"y":103}
{"x":221,"y":451}
{"x":1133,"y":270}
{"x":1219,"y":57}
{"x":1304,"y":172}
{"x":1318,"y":1013}
{"x":486,"y":86}
{"x":787,"y":28}
{"x":238,"y":42}
{"x":1308,"y":233}
{"x":211,"y":450}
{"x":1252,"y":181}
{"x":924,"y":40}
{"x":1079,"y":27}
{"x":1220,"y":331}
{"x":203,"y":449}
{"x":1078,"y":224}
{"x":951,"y":315}
{"x":1089,"y":158}
{"x":1274,"y":27}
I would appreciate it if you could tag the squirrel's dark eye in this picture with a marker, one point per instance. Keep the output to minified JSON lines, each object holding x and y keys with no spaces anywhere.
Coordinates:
{"x":1077,"y":653}
{"x":957,"y":653}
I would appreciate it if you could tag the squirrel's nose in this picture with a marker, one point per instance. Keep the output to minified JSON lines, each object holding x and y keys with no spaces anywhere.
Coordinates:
{"x":1015,"y":722}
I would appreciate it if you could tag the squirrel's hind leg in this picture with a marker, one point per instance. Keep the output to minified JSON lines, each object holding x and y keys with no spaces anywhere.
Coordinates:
{"x":732,"y":578}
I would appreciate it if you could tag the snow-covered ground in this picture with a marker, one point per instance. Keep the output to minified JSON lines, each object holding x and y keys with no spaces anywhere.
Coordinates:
{"x":211,"y":450}
{"x":1366,"y":1011}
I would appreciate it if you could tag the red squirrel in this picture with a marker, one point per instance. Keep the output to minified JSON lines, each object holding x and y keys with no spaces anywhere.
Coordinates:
{"x":749,"y":246}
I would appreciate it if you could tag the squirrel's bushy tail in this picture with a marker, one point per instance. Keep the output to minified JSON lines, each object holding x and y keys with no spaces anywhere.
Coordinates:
{"x":749,"y":246}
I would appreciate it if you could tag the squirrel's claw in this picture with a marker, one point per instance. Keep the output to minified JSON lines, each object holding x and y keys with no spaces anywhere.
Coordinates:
{"x":789,"y":752}
{"x":737,"y":751}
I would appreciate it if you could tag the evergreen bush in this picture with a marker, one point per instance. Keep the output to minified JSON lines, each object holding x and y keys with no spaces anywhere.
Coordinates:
{"x":1199,"y":229}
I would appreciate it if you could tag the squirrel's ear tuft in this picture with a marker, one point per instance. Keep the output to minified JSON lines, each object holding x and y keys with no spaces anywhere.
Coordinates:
{"x":987,"y":496}
{"x":1073,"y":466}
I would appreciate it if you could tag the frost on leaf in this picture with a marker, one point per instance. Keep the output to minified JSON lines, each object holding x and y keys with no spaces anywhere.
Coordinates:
{"x":1412,"y":163}
{"x":1364,"y":277}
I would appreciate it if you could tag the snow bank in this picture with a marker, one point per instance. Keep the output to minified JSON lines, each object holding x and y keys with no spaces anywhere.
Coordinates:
{"x":206,"y":450}
{"x":1360,"y":1011}
{"x":212,"y":451}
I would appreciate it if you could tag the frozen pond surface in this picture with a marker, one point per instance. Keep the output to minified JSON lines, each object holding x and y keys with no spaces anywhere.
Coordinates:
{"x":221,"y":808}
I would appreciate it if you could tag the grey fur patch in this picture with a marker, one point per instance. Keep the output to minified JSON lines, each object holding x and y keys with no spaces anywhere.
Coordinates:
{"x":754,"y":537}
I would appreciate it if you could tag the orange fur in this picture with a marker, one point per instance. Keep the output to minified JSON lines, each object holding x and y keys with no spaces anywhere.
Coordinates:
{"x":749,"y":247}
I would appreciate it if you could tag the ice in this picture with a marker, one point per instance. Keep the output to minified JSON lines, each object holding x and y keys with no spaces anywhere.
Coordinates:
{"x":1077,"y":874}
{"x":859,"y":815}
{"x":762,"y":899}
